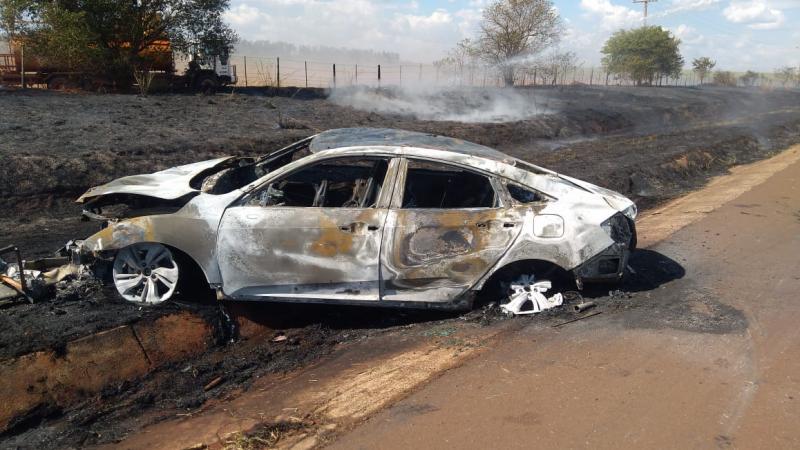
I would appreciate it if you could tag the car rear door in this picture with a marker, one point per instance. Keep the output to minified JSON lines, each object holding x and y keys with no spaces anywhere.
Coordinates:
{"x":314,"y":233}
{"x":446,"y":228}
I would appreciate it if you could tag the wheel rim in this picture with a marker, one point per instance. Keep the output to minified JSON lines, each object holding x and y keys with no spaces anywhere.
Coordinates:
{"x":145,"y":273}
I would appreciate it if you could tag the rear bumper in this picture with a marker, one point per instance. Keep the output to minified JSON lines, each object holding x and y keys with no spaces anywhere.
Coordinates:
{"x":609,"y":265}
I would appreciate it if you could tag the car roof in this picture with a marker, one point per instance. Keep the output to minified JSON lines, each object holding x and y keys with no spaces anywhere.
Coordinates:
{"x":388,"y":137}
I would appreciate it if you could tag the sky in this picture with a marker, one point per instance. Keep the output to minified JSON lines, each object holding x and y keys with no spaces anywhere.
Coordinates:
{"x":740,"y":35}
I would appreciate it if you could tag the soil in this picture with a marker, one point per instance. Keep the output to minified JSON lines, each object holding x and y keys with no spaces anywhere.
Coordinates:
{"x":652,"y":144}
{"x":696,"y":362}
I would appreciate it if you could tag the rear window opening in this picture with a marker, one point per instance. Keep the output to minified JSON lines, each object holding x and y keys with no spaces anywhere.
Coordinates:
{"x":524,"y":195}
{"x":435,"y":185}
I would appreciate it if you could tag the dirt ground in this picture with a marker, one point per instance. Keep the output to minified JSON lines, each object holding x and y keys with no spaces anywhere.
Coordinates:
{"x":650,"y":144}
{"x":704,"y":361}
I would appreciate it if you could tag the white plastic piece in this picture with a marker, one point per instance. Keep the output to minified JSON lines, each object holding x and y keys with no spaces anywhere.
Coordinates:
{"x":525,"y":290}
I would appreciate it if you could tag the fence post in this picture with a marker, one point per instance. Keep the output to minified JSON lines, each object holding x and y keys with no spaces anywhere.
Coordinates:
{"x":535,"y":73}
{"x":245,"y":71}
{"x":334,"y":74}
{"x":379,"y":75}
{"x":278,"y":71}
{"x":22,"y":64}
{"x":305,"y":66}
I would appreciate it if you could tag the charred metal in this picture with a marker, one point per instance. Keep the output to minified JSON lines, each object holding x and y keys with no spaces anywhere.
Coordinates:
{"x":365,"y":216}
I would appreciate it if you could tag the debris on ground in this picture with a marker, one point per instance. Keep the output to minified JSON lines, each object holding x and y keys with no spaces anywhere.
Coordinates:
{"x":580,"y":307}
{"x":40,"y":279}
{"x":527,"y":297}
{"x":578,"y":318}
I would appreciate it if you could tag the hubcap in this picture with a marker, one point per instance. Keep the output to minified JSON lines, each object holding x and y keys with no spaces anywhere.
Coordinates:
{"x":145,"y":273}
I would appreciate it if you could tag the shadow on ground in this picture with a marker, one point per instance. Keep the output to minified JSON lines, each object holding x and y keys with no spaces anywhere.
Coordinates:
{"x":658,"y":293}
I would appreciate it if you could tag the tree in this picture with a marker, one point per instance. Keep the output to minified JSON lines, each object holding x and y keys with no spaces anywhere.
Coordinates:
{"x":114,"y":34}
{"x":787,"y":75}
{"x":749,"y":78}
{"x":643,"y":54}
{"x":11,"y":18}
{"x":463,"y":55}
{"x":552,"y":67}
{"x":724,"y":78}
{"x":515,"y":29}
{"x":702,"y":67}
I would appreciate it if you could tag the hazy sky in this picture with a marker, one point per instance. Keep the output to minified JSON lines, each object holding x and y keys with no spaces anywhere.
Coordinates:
{"x":739,"y":34}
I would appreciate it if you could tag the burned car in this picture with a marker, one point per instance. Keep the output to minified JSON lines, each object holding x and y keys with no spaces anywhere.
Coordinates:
{"x":358,"y":216}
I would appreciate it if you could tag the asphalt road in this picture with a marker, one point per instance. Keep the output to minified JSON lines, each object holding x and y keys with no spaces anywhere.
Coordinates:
{"x":711,"y":364}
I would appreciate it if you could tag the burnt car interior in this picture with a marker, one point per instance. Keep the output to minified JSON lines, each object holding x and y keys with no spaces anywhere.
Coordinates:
{"x":524,"y":195}
{"x":433,"y":185}
{"x":340,"y":183}
{"x":239,"y":172}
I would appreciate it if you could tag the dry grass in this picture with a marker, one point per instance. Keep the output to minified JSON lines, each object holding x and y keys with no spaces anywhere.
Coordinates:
{"x":266,"y":436}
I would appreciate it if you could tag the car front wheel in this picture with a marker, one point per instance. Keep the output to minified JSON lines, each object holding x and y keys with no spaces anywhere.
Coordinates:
{"x":145,"y":273}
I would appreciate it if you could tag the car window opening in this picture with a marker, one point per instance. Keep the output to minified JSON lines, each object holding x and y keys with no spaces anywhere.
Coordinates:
{"x":524,"y":195}
{"x":433,"y":185}
{"x":345,"y":183}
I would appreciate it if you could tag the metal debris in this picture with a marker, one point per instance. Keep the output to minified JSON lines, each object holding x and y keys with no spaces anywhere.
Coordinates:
{"x":577,"y":319}
{"x":36,"y":280}
{"x":580,"y":307}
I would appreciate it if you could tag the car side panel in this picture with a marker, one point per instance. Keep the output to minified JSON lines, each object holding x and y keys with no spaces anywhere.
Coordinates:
{"x":435,"y":255}
{"x":298,"y":252}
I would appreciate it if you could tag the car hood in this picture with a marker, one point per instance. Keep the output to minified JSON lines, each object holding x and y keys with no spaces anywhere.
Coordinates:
{"x":168,"y":184}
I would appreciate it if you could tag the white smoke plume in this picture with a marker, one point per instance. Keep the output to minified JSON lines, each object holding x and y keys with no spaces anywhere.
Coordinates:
{"x":457,"y":104}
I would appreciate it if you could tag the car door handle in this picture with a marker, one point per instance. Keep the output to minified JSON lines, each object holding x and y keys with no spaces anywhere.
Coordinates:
{"x":488,"y":223}
{"x":355,"y":226}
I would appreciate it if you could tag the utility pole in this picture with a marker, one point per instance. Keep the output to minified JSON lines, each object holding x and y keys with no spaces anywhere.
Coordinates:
{"x":645,"y":2}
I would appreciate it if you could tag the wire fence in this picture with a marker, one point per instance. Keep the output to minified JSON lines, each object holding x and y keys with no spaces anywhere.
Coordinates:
{"x":261,"y":71}
{"x":279,"y":72}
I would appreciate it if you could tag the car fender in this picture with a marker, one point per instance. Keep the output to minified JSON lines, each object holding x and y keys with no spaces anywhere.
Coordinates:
{"x":192,"y":230}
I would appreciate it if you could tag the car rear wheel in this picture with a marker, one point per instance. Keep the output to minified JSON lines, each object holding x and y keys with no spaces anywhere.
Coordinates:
{"x":145,"y":273}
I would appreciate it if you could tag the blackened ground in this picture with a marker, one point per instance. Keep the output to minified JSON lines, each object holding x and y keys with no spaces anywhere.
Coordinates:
{"x":651,"y":144}
{"x":310,"y":332}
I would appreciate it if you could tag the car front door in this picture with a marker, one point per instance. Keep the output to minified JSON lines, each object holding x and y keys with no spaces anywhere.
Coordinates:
{"x":314,"y":233}
{"x":446,"y":228}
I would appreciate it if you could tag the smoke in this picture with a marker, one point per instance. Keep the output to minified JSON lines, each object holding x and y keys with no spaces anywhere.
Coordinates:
{"x":463,"y":104}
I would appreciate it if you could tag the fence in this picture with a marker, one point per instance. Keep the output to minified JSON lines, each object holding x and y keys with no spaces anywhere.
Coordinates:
{"x":277,"y":71}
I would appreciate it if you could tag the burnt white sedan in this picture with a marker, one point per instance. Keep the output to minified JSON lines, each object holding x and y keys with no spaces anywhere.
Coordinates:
{"x":357,"y":216}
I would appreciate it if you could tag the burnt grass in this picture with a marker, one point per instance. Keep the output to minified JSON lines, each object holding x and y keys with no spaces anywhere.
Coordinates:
{"x":651,"y":144}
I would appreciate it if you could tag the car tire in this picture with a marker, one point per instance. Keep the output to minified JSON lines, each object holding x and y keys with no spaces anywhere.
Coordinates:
{"x":146,"y":273}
